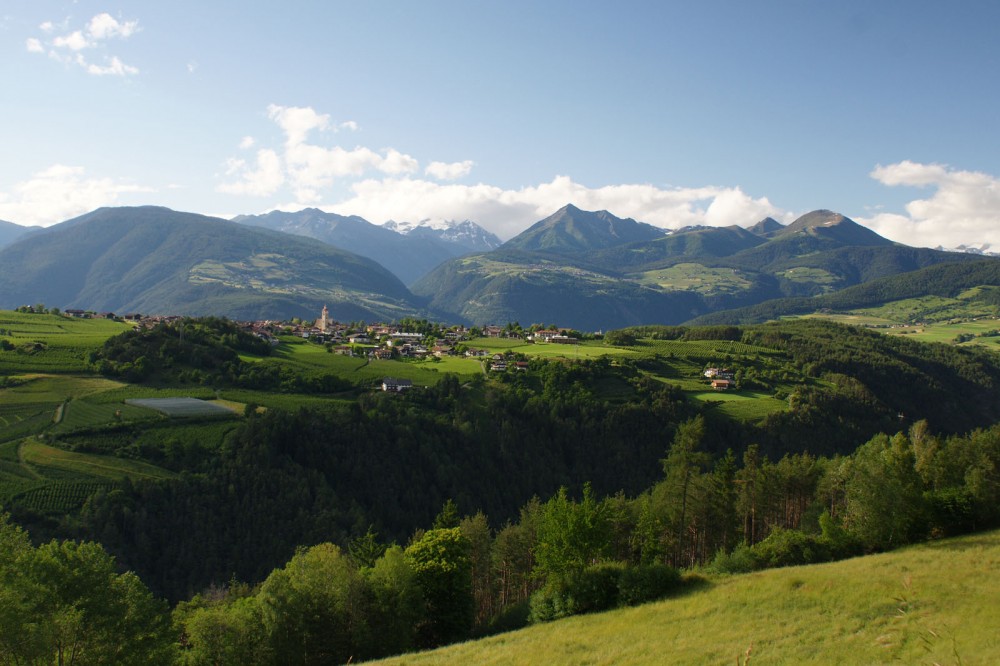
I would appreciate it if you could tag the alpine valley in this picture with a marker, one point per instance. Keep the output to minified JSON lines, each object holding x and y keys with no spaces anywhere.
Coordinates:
{"x":579,"y":269}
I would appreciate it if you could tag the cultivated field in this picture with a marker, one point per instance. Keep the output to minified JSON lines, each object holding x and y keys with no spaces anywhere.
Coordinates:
{"x":51,"y":343}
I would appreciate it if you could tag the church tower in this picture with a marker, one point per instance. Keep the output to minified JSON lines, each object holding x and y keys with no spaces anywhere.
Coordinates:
{"x":324,"y":319}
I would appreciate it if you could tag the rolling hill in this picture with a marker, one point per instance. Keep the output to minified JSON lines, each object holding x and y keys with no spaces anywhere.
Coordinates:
{"x":409,"y":252}
{"x":155,"y":260}
{"x":946,"y":280}
{"x":932,"y":603}
{"x":594,"y":271}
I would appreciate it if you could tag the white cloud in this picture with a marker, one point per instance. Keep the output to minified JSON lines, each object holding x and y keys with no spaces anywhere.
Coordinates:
{"x":310,"y":171}
{"x":396,"y":163}
{"x":964,"y":208}
{"x":508,"y":212}
{"x":115,"y":67}
{"x":308,"y":168}
{"x":247,"y":142}
{"x":74,"y":41}
{"x":262,"y":179}
{"x":297,"y":122}
{"x":348,"y":125}
{"x":449,"y":171}
{"x":60,"y":193}
{"x":68,"y":48}
{"x":104,"y":26}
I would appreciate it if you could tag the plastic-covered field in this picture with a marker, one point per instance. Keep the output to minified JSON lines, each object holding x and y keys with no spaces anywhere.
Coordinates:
{"x":182,"y":407}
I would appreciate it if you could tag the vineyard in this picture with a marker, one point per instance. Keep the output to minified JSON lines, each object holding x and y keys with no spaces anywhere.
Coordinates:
{"x":51,"y":343}
{"x":53,"y":462}
{"x":60,"y":497}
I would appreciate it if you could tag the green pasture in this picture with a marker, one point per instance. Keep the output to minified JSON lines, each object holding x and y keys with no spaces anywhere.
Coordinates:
{"x":309,"y":357}
{"x":741,"y":405}
{"x":934,"y":603}
{"x":947,"y":331}
{"x":51,"y":343}
{"x":696,"y":277}
{"x":585,"y":349}
{"x":809,"y":275}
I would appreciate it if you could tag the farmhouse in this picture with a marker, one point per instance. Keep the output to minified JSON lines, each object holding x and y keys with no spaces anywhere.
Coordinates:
{"x":396,"y":385}
{"x":721,"y":384}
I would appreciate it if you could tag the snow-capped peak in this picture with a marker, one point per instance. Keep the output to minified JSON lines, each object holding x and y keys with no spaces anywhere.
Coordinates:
{"x":466,"y":233}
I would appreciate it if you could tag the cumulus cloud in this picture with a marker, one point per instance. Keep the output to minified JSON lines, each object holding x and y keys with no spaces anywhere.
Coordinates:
{"x":308,"y":167}
{"x":247,"y":142}
{"x":69,"y":47}
{"x":115,"y":67}
{"x":383,"y":186}
{"x":449,"y":171}
{"x":105,"y":26}
{"x":263,"y":178}
{"x":60,"y":193}
{"x":508,"y":212}
{"x":964,"y":208}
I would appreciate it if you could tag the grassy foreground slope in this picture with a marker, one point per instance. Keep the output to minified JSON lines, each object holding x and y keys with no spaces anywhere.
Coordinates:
{"x":932,"y":603}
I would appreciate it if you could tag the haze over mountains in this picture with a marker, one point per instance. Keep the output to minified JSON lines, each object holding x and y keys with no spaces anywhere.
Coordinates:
{"x":409,"y":251}
{"x":586,"y":270}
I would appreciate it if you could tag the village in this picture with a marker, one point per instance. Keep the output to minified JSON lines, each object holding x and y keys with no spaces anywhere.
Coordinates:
{"x":408,"y":339}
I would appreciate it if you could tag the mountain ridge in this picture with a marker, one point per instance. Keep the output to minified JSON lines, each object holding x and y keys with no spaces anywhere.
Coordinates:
{"x":408,"y":255}
{"x":154,"y":260}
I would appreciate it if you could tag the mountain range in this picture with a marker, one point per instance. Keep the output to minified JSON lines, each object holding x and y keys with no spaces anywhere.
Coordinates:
{"x":590,"y":271}
{"x":408,"y":251}
{"x":158,"y":261}
{"x":575,"y":268}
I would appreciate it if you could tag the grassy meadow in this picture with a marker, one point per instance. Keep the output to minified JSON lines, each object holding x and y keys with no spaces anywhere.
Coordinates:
{"x":51,"y":343}
{"x":934,"y":603}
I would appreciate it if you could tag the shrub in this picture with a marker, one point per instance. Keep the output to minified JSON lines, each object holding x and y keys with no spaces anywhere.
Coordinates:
{"x":740,"y":560}
{"x":784,"y":548}
{"x":601,"y":587}
{"x":637,"y":585}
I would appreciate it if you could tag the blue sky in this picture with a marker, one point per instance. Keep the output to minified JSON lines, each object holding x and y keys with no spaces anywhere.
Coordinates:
{"x":671,"y":113}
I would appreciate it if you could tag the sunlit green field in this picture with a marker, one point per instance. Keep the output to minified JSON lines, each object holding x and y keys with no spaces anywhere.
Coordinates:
{"x":51,"y":343}
{"x":39,"y":455}
{"x":741,"y":405}
{"x":934,"y":603}
{"x":697,"y":278}
{"x":586,"y":349}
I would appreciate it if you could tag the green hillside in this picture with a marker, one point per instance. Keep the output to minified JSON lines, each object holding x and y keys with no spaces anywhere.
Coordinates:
{"x":946,"y":281}
{"x":933,"y":603}
{"x":592,"y":278}
{"x":158,"y":261}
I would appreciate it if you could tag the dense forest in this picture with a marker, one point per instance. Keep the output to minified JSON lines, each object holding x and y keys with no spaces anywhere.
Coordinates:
{"x":387,"y":522}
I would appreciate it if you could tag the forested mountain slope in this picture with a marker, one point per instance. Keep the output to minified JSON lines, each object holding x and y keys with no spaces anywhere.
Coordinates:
{"x":590,"y":271}
{"x":940,"y":280}
{"x":158,"y":261}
